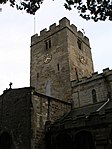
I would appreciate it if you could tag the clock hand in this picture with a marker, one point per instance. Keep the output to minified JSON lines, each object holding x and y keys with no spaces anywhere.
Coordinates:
{"x":48,"y":58}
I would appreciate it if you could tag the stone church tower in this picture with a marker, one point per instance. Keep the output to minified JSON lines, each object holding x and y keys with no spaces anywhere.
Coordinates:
{"x":41,"y":116}
{"x":58,"y":56}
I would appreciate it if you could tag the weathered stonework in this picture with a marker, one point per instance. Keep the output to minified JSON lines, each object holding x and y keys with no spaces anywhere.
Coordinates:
{"x":23,"y":117}
{"x":68,"y":62}
{"x":15,"y":118}
{"x":69,"y":106}
{"x":82,"y":89}
{"x":45,"y":109}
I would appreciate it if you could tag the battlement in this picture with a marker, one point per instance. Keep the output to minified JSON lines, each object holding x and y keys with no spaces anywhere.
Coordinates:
{"x":63,"y":23}
{"x":106,"y":72}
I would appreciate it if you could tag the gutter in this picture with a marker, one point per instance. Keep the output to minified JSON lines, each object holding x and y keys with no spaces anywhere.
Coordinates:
{"x":103,"y":105}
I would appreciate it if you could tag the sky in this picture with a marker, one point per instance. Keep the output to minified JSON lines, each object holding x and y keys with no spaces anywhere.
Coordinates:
{"x":17,"y":27}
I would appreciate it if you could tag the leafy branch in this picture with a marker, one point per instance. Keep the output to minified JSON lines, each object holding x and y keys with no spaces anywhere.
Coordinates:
{"x":89,"y":9}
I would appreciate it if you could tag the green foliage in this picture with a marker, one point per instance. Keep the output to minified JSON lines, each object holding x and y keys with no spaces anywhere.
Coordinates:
{"x":31,"y":6}
{"x":90,"y":9}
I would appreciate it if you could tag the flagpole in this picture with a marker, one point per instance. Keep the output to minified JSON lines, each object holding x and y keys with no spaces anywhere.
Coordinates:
{"x":34,"y":25}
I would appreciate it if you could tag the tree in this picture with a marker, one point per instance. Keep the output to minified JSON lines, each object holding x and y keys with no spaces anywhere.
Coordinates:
{"x":90,"y":9}
{"x":31,"y":6}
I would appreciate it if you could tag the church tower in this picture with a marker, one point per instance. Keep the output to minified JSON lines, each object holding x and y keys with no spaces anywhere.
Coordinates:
{"x":58,"y":56}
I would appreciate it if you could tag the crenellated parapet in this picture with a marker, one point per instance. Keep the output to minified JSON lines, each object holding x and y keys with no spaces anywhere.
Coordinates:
{"x":106,"y":73}
{"x":63,"y":23}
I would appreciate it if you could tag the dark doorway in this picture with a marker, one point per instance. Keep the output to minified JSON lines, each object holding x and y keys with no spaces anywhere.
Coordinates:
{"x":84,"y":140}
{"x":63,"y":141}
{"x":5,"y":141}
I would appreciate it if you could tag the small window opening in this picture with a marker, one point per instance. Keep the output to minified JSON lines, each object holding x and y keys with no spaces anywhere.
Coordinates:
{"x":94,"y":96}
{"x":48,"y":44}
{"x":79,"y":44}
{"x":37,"y":76}
{"x":58,"y":67}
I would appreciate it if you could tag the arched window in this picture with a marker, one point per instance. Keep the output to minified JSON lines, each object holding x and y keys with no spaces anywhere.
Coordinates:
{"x":84,"y":140}
{"x":94,"y":96}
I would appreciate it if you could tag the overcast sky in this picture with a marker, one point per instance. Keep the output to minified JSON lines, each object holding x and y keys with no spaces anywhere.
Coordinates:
{"x":16,"y":29}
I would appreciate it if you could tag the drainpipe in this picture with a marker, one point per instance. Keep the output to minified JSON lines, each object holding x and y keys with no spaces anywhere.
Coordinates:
{"x":48,"y":112}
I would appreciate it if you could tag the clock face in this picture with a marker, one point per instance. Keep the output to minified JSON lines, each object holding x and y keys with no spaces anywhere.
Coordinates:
{"x":82,"y":59}
{"x":47,"y":58}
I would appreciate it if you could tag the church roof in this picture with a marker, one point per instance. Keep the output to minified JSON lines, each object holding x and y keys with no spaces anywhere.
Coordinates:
{"x":85,"y":116}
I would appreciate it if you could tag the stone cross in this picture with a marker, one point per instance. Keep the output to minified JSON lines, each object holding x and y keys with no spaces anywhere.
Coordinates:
{"x":10,"y":85}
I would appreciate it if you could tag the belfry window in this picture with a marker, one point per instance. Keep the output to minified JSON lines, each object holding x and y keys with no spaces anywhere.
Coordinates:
{"x":79,"y":43}
{"x":48,"y":44}
{"x":94,"y":97}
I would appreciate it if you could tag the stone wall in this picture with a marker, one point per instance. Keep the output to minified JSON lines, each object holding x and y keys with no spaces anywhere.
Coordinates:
{"x":15,"y":117}
{"x":45,"y":109}
{"x":64,"y":22}
{"x":79,"y":55}
{"x":56,"y":72}
{"x":82,"y":89}
{"x":23,"y":116}
{"x":64,"y":57}
{"x":99,"y":126}
{"x":85,"y":120}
